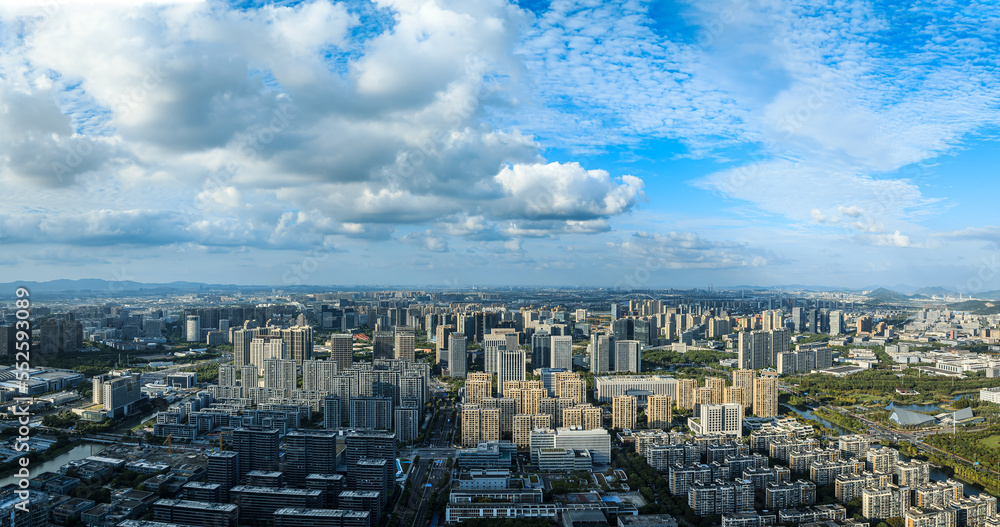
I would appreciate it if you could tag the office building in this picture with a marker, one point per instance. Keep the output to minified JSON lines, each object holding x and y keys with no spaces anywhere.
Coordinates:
{"x":258,"y":504}
{"x":257,"y":449}
{"x":297,"y":517}
{"x":309,"y":452}
{"x":382,"y":344}
{"x":331,"y":485}
{"x":224,"y":470}
{"x":342,"y":350}
{"x":718,"y":419}
{"x":596,"y":441}
{"x":375,"y":475}
{"x":628,"y":357}
{"x":407,"y":423}
{"x":457,"y":355}
{"x":541,"y":350}
{"x":510,"y":367}
{"x":196,"y":513}
{"x":607,"y":388}
{"x":372,"y":445}
{"x":118,"y":392}
{"x":192,"y":331}
{"x":562,"y":352}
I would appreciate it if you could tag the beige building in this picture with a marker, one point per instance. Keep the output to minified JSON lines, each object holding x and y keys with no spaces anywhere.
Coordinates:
{"x":765,"y":397}
{"x":735,"y":395}
{"x":685,"y":393}
{"x":717,"y":385}
{"x":623,"y":412}
{"x":586,"y":417}
{"x":744,"y":379}
{"x":479,"y":424}
{"x":658,"y":411}
{"x":525,"y":423}
{"x":478,"y":386}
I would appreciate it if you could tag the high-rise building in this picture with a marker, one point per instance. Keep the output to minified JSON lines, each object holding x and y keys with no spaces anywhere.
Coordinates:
{"x":280,"y":374}
{"x":685,"y":393}
{"x":298,"y":343}
{"x":369,"y":444}
{"x":457,"y":356}
{"x":585,"y":417}
{"x":373,"y":475}
{"x":718,"y":419}
{"x":743,"y":379}
{"x":733,"y":394}
{"x":333,"y":416}
{"x":658,"y":411}
{"x":342,"y":350}
{"x":479,"y":424}
{"x":441,"y":341}
{"x":227,"y":374}
{"x":257,"y":448}
{"x":525,"y":423}
{"x":405,"y":343}
{"x":266,"y":347}
{"x":192,"y":331}
{"x":510,"y":367}
{"x":407,"y":423}
{"x":309,"y":452}
{"x":382,"y":342}
{"x":716,"y":385}
{"x":623,"y":412}
{"x":224,"y":469}
{"x":478,"y":386}
{"x":541,"y":350}
{"x":562,"y":352}
{"x":118,"y":391}
{"x":570,"y":385}
{"x":628,"y":356}
{"x":318,"y":375}
{"x":600,"y":353}
{"x":373,"y":413}
{"x":765,"y":397}
{"x":836,"y":322}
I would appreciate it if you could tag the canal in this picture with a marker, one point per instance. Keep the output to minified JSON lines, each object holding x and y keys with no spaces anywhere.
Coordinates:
{"x":78,"y":452}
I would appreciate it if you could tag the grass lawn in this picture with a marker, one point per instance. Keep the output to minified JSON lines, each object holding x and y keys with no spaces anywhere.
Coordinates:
{"x":992,"y":442}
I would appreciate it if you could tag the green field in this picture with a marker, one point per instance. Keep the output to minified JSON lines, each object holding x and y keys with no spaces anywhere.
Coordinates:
{"x":992,"y":442}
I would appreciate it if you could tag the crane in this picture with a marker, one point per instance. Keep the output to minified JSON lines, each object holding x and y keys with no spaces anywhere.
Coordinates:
{"x":170,"y":450}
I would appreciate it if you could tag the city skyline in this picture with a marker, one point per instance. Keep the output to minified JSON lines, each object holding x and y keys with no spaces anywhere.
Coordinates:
{"x":635,"y":145}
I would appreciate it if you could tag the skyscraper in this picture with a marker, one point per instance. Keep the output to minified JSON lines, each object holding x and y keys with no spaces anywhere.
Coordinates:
{"x":628,"y":356}
{"x":382,"y":342}
{"x":600,"y":353}
{"x":541,"y":350}
{"x":266,"y":347}
{"x":836,"y":322}
{"x":342,"y":350}
{"x":562,"y":352}
{"x":280,"y":374}
{"x":224,"y":469}
{"x":405,"y":342}
{"x":192,"y":331}
{"x":716,"y":385}
{"x":685,"y":393}
{"x":298,"y":343}
{"x":458,"y":356}
{"x":309,"y":452}
{"x":510,"y":367}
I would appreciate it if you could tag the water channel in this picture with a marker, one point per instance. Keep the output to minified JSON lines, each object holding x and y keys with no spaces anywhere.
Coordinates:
{"x":936,"y":474}
{"x":78,"y":452}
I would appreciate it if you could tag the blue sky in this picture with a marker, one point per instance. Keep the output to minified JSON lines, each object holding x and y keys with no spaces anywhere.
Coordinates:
{"x":643,"y":144}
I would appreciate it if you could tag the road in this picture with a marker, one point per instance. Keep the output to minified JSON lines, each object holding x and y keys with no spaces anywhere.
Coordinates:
{"x":431,"y":467}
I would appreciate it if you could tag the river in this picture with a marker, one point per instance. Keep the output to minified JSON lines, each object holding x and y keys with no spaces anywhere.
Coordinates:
{"x":78,"y":452}
{"x":914,"y":407}
{"x":807,"y":413}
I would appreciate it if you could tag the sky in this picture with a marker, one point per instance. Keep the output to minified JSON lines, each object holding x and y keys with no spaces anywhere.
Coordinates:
{"x":483,"y":142}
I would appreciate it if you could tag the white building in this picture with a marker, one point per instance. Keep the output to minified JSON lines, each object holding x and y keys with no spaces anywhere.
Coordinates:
{"x":718,"y":419}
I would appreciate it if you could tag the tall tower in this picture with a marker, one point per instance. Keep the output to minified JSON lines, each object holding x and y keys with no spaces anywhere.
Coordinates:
{"x":511,"y":366}
{"x":658,"y":411}
{"x":405,"y":342}
{"x":458,"y":356}
{"x":342,"y":350}
{"x":562,"y":352}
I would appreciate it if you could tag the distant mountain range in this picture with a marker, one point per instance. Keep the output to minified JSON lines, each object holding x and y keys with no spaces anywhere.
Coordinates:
{"x":98,"y":286}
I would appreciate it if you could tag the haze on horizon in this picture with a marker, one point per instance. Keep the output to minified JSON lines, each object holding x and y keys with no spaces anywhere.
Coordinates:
{"x":465,"y":142}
